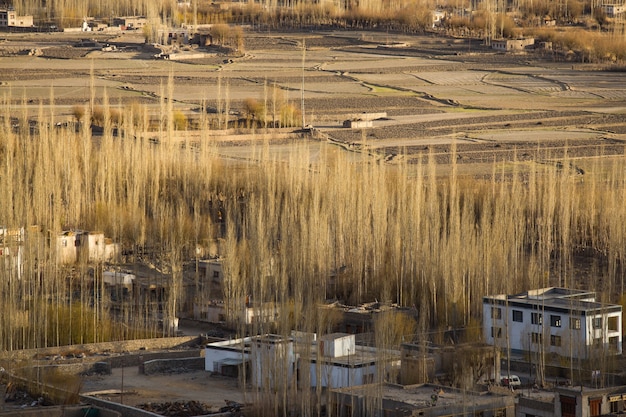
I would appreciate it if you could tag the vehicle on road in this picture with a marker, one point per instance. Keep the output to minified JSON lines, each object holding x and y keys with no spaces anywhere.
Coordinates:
{"x":512,"y":381}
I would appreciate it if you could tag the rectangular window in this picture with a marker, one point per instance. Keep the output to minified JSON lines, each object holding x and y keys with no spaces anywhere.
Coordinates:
{"x":555,"y":340}
{"x":555,"y":321}
{"x":597,"y":323}
{"x":518,"y":316}
{"x":613,"y":341}
{"x":616,"y":407}
{"x":496,"y":332}
{"x":536,"y":338}
{"x":216,"y":274}
{"x":574,"y":323}
{"x":612,"y":323}
{"x":536,"y":318}
{"x":496,"y":313}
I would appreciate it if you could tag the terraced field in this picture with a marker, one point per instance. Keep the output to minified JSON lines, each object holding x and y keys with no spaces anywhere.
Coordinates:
{"x":436,"y":92}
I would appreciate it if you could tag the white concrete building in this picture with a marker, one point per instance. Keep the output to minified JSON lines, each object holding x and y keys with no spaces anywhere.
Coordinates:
{"x":333,"y":362}
{"x":560,"y":321}
{"x":336,"y":362}
{"x":269,"y":359}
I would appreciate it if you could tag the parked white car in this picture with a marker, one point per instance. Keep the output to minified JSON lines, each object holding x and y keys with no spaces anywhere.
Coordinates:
{"x":510,"y":381}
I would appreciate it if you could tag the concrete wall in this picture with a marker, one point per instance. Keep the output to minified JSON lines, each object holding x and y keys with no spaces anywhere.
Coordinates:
{"x":529,"y":406}
{"x":336,"y":376}
{"x":138,"y":358}
{"x":126,"y":361}
{"x":125,"y":410}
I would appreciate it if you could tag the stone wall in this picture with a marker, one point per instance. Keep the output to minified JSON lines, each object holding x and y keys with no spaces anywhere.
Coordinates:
{"x":72,"y":411}
{"x":138,"y":358}
{"x":173,"y":365}
{"x":89,"y":364}
{"x":105,"y":347}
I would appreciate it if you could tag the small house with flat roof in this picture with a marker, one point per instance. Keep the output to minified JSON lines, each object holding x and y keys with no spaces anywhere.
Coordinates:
{"x":333,"y":361}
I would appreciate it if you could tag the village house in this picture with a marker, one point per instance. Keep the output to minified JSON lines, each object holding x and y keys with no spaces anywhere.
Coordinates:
{"x":461,"y":365}
{"x":512,"y":45}
{"x":211,"y":278}
{"x":73,"y":246}
{"x":237,"y":313}
{"x":130,"y":22}
{"x":10,"y":18}
{"x":561,"y":321}
{"x":360,"y":319}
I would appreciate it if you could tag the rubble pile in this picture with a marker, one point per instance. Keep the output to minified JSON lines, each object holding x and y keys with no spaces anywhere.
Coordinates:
{"x":178,"y":408}
{"x":18,"y":396}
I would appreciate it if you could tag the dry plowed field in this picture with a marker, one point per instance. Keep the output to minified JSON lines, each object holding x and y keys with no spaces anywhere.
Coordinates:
{"x":454,"y":99}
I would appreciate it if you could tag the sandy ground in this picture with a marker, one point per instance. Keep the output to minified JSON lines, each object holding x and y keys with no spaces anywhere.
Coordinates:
{"x":131,"y":388}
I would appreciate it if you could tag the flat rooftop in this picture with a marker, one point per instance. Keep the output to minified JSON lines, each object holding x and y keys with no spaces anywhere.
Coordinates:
{"x":363,"y":355}
{"x":555,"y":298}
{"x":421,"y":396}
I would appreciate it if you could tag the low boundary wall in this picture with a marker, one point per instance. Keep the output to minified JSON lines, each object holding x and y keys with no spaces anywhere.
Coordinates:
{"x":166,"y":365}
{"x":106,"y":347}
{"x":125,"y":410}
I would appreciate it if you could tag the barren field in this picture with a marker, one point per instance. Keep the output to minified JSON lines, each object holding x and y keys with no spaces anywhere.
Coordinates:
{"x":131,"y":388}
{"x":435,"y":91}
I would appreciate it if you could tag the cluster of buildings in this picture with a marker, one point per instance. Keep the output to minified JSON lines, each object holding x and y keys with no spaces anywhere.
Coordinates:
{"x":545,"y":335}
{"x":563,"y":331}
{"x":352,"y":375}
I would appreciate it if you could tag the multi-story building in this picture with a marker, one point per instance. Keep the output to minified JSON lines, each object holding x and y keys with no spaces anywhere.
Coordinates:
{"x":613,"y":8}
{"x":566,"y":322}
